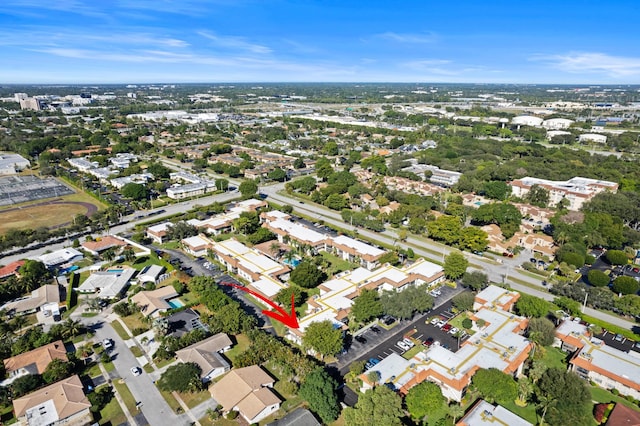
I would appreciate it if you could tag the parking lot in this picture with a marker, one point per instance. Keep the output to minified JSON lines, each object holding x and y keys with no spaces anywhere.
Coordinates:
{"x":379,"y":342}
{"x":618,"y":341}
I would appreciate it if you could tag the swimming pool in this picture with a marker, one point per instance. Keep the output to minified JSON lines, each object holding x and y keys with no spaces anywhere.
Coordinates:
{"x":175,"y":303}
{"x":115,"y":271}
{"x":292,"y":262}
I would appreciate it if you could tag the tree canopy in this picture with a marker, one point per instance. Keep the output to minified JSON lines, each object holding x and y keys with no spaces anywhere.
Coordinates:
{"x":319,"y":389}
{"x":625,"y":285}
{"x":366,"y":306}
{"x":495,"y":386}
{"x":307,"y":274}
{"x":182,"y":377}
{"x":323,"y":338}
{"x":541,"y":331}
{"x":135,"y":191}
{"x":377,"y":406}
{"x":424,"y":399}
{"x":532,"y":306}
{"x":568,"y":396}
{"x":455,"y":265}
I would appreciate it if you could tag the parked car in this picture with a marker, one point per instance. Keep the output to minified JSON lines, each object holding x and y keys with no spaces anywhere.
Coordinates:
{"x":389,"y":320}
{"x":403,"y":345}
{"x":374,"y":361}
{"x":408,"y":342}
{"x":375,"y":329}
{"x":434,"y":321}
{"x":453,"y":330}
{"x":619,"y":337}
{"x":446,"y":327}
{"x":428,"y":342}
{"x":441,"y":323}
{"x":360,"y":339}
{"x":136,"y":371}
{"x":107,"y":344}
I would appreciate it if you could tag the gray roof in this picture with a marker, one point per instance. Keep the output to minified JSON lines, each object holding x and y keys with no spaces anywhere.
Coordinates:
{"x":299,"y":417}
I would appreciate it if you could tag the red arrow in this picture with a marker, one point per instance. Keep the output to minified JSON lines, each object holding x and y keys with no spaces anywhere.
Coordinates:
{"x":290,"y":320}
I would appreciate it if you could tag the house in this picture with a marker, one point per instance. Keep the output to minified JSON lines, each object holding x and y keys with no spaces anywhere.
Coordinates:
{"x":49,"y":293}
{"x":153,"y":302}
{"x":247,"y":390}
{"x":485,"y":414}
{"x":298,"y":417}
{"x":196,"y":245}
{"x":62,"y":403}
{"x":61,"y":257}
{"x":151,"y":274}
{"x":11,"y":269}
{"x":34,"y":361}
{"x":109,"y":284}
{"x":98,"y":246}
{"x":183,"y":322}
{"x":158,"y":232}
{"x":206,"y":354}
{"x":593,"y":360}
{"x":622,"y":415}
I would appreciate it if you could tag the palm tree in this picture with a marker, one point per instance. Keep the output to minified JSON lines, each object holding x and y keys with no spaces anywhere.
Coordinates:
{"x":71,"y":328}
{"x":525,"y":388}
{"x":544,"y":402}
{"x":274,"y":247}
{"x":18,"y":322}
{"x":455,"y":411}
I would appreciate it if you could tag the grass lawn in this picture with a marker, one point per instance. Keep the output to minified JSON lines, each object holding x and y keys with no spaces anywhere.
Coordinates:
{"x":457,"y":322}
{"x":148,"y":368}
{"x":337,"y":264}
{"x":189,"y":297}
{"x":6,"y":415}
{"x":339,"y":421}
{"x":134,"y":321}
{"x":242,"y":344}
{"x":120,"y":330}
{"x":164,"y":362}
{"x":136,"y":351}
{"x":413,"y":351}
{"x":126,"y":396}
{"x":528,"y":413}
{"x":171,"y":245}
{"x":611,"y":328}
{"x":34,"y":217}
{"x":93,"y":370}
{"x":112,"y":413}
{"x":554,"y":358}
{"x":196,"y":398}
{"x":109,"y":366}
{"x":603,"y":395}
{"x":173,"y":403}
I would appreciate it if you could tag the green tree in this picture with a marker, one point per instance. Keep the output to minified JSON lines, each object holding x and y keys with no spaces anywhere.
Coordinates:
{"x":366,"y":306}
{"x":323,"y":338}
{"x":307,"y":274}
{"x":100,"y":398}
{"x":463,"y":301}
{"x":541,"y":331}
{"x":597,"y":278}
{"x":495,"y":386}
{"x":283,"y":297}
{"x":57,"y":370}
{"x":277,"y":174}
{"x":135,"y":191}
{"x":377,"y":406}
{"x":25,"y":384}
{"x":424,"y":399}
{"x":475,"y":280}
{"x":570,"y":396}
{"x":248,"y":188}
{"x":336,"y":202}
{"x":538,"y":196}
{"x":455,"y":265}
{"x":319,"y":389}
{"x":182,"y":377}
{"x":625,"y":285}
{"x":531,"y":306}
{"x":497,"y":190}
{"x":616,"y":257}
{"x":33,"y":274}
{"x":323,"y":168}
{"x":222,"y":184}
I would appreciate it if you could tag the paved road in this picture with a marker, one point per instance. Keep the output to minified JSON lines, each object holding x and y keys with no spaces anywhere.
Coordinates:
{"x":154,"y":407}
{"x":497,"y":272}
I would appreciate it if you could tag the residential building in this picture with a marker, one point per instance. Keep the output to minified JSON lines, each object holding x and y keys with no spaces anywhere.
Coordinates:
{"x":82,"y":164}
{"x":141,"y":179}
{"x":196,"y":245}
{"x":158,"y":232}
{"x":151,"y":274}
{"x":33,"y":362}
{"x":592,"y":137}
{"x":593,"y":360}
{"x":11,"y":269}
{"x":498,"y":344}
{"x":183,"y":322}
{"x":61,"y":257}
{"x":223,"y":222}
{"x":485,"y":414}
{"x":101,"y":244}
{"x":153,"y":302}
{"x":353,"y":250}
{"x":336,"y":295}
{"x":246,"y":262}
{"x":190,"y":190}
{"x":62,"y":403}
{"x":206,"y":354}
{"x":576,"y":191}
{"x":621,"y":415}
{"x":298,"y":417}
{"x":109,"y":284}
{"x":247,"y":390}
{"x":47,"y":294}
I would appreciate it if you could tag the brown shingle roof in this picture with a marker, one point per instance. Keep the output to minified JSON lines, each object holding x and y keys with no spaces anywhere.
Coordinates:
{"x":67,"y":395}
{"x":150,"y":301}
{"x":205,"y":353}
{"x":238,"y":384}
{"x":39,"y":358}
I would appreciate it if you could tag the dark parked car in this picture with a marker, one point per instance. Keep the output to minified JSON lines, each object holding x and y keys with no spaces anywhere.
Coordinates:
{"x":360,"y":339}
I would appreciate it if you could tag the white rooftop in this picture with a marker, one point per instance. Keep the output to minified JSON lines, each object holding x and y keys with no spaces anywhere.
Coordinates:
{"x":109,"y":283}
{"x":359,"y":246}
{"x":484,"y":413}
{"x":268,"y":286}
{"x":160,"y":227}
{"x":298,"y":231}
{"x":59,"y":256}
{"x":195,"y":241}
{"x":394,"y":368}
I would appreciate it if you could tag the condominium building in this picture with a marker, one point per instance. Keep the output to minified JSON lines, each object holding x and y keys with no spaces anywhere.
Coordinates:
{"x":246,"y":262}
{"x":576,"y":191}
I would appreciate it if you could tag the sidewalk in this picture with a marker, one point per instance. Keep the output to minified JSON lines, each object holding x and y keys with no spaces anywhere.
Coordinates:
{"x":126,"y":412}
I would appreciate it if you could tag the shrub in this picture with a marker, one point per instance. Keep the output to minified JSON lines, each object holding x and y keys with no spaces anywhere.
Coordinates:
{"x":597,"y":278}
{"x":625,"y":285}
{"x":232,"y":415}
{"x":616,"y":257}
{"x":467,"y":323}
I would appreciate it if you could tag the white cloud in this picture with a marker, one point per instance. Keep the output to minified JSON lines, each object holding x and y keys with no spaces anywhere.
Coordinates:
{"x":408,"y":38}
{"x":234,"y":43}
{"x":594,"y":62}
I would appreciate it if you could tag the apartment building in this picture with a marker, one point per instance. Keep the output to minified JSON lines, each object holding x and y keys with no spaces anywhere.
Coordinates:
{"x":246,"y":262}
{"x":577,"y":190}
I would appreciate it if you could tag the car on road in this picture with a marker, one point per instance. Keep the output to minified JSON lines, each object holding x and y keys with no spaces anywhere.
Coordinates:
{"x":360,"y":339}
{"x":107,"y":344}
{"x":136,"y":371}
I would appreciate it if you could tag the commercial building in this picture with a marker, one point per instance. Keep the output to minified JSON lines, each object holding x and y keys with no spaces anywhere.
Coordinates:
{"x":527,"y":120}
{"x":593,"y":360}
{"x":557,"y":123}
{"x":576,"y":191}
{"x":62,"y":403}
{"x":592,"y":137}
{"x":12,"y":163}
{"x":499,"y":343}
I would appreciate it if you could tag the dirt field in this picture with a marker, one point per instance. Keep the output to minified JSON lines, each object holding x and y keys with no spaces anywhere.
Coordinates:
{"x":49,"y":214}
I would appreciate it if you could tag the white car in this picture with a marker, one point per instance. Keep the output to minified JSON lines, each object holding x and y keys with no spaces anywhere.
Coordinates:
{"x":107,"y":344}
{"x":453,"y":331}
{"x":136,"y":371}
{"x":435,"y":321}
{"x":408,"y":342}
{"x":402,"y":345}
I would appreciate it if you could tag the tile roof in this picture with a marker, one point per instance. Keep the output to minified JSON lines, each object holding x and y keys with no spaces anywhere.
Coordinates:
{"x":67,"y":396}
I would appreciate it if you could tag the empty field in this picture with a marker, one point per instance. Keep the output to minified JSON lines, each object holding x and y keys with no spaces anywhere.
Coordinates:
{"x":49,"y":215}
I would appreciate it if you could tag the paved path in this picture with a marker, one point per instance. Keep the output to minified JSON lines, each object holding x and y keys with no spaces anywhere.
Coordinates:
{"x":123,"y":406}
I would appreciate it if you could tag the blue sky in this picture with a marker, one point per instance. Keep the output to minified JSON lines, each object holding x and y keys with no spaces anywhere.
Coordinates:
{"x":120,"y":41}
